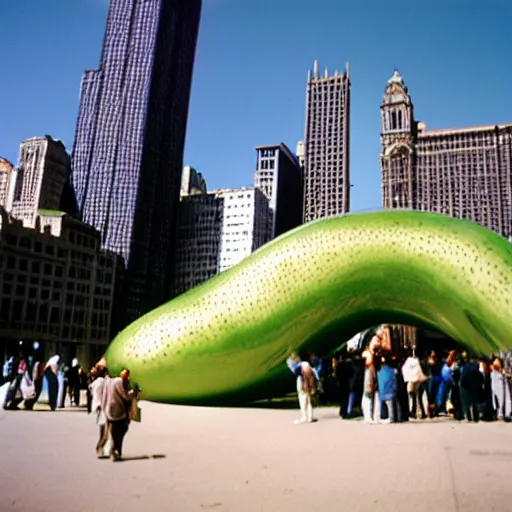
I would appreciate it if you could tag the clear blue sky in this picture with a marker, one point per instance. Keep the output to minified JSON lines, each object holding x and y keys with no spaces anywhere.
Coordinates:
{"x":251,"y":67}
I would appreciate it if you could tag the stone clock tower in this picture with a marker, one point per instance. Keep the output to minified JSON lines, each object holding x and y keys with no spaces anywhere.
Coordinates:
{"x":397,"y":145}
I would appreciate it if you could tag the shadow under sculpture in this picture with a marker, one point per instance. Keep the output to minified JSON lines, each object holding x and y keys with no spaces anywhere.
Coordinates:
{"x":226,"y":341}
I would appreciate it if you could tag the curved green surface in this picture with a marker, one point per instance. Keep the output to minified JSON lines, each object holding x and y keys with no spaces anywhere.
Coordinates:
{"x":312,"y":288}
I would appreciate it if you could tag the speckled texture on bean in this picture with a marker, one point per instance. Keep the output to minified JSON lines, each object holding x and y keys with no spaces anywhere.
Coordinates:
{"x":314,"y":288}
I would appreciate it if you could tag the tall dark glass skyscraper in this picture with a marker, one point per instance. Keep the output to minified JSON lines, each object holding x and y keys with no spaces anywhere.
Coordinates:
{"x":128,"y":151}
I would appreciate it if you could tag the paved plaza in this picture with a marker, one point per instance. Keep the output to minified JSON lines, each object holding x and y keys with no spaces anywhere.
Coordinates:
{"x":252,"y":459}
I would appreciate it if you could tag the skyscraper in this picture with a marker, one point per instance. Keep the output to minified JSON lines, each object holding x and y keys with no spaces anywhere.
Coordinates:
{"x":464,"y":172}
{"x":326,"y":142}
{"x":128,"y":151}
{"x":6,"y":171}
{"x":39,"y":179}
{"x":279,"y":176}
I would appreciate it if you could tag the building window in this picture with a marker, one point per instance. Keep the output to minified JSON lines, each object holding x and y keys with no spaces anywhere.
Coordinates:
{"x":18,"y":188}
{"x":25,"y":243}
{"x":11,"y":262}
{"x":393,"y":120}
{"x":30,"y":315}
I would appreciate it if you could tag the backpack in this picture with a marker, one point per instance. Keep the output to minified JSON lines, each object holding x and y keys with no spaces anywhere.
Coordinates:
{"x":309,"y":380}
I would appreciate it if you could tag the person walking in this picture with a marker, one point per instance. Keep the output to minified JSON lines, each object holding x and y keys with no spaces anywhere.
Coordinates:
{"x":98,"y":375}
{"x":73,"y":379}
{"x":50,"y":372}
{"x":116,"y":402}
{"x":37,"y":380}
{"x":14,"y":397}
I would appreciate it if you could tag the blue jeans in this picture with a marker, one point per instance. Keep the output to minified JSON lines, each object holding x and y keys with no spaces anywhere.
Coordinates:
{"x":351,"y":398}
{"x":443,"y":393}
{"x":388,"y":405}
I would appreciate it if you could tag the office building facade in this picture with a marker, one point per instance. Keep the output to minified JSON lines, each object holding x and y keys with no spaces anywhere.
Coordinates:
{"x":326,"y":145}
{"x":128,"y":150}
{"x":199,"y":240}
{"x":279,"y":176}
{"x":246,"y":224}
{"x":57,"y":287}
{"x":464,"y":173}
{"x":38,"y":179}
{"x":217,"y":230}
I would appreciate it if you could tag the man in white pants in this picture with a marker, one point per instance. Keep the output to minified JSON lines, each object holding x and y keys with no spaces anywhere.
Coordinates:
{"x":307,"y":385}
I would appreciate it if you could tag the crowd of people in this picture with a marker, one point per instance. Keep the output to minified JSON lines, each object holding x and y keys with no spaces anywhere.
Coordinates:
{"x":376,"y":384}
{"x":382,"y":387}
{"x":26,"y":376}
{"x":111,"y":400}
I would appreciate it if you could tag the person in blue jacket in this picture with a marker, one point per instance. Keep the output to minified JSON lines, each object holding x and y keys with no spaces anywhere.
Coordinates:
{"x":387,"y":390}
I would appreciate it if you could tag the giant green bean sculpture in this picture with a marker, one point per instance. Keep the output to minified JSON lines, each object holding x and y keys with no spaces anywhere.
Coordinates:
{"x":227,"y":340}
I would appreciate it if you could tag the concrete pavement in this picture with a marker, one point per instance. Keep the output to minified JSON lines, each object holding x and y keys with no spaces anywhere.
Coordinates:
{"x":193,"y":458}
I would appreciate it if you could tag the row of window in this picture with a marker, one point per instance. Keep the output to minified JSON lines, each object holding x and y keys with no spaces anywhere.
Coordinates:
{"x":18,"y":313}
{"x":50,"y":270}
{"x":267,"y":164}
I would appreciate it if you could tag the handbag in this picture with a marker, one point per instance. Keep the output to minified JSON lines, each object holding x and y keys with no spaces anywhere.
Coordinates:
{"x":27,"y":388}
{"x":136,"y":412}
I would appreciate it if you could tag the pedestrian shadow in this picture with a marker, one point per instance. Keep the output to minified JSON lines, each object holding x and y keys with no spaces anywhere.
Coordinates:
{"x":143,"y":457}
{"x":47,"y":409}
